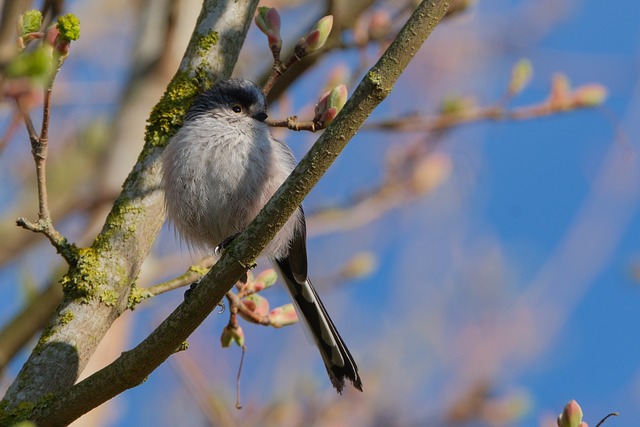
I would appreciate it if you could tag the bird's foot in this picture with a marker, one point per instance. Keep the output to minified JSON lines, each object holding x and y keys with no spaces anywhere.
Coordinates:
{"x":188,"y":291}
{"x":224,"y":245}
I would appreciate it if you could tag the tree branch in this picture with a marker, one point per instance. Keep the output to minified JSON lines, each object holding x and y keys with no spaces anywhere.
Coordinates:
{"x":39,"y":150}
{"x":134,"y":366}
{"x":193,"y":274}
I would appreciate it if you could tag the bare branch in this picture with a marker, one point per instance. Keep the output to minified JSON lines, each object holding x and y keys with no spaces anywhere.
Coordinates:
{"x":613,"y":414}
{"x":279,"y":68}
{"x":447,"y":121}
{"x":293,"y":124}
{"x":193,"y":274}
{"x":39,"y":150}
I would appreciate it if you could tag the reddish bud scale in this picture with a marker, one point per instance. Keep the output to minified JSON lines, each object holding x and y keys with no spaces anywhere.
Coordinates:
{"x":268,"y":21}
{"x":318,"y":34}
{"x":267,"y":277}
{"x":283,"y":316}
{"x":590,"y":95}
{"x":321,"y":106}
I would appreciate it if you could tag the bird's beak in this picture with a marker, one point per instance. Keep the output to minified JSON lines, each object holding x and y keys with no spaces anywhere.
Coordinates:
{"x":260,"y":116}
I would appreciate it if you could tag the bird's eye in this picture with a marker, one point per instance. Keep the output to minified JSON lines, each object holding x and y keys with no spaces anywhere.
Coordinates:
{"x":236,"y":108}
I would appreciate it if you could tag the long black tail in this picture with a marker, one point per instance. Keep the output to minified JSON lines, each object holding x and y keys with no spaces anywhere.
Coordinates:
{"x":334,"y":352}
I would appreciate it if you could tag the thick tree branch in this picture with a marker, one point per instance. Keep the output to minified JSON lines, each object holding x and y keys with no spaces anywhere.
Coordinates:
{"x":134,"y":366}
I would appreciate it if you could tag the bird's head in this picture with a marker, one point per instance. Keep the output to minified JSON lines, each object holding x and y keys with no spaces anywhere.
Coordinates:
{"x":237,"y":101}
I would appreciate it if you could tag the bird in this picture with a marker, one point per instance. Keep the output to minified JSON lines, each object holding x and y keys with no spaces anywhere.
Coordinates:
{"x":219,"y":170}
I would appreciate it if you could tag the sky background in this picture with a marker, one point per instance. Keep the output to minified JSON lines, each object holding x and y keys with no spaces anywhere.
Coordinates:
{"x":516,"y":272}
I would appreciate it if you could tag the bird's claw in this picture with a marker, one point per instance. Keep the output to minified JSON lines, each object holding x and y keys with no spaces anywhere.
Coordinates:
{"x":188,"y":291}
{"x":218,"y":250}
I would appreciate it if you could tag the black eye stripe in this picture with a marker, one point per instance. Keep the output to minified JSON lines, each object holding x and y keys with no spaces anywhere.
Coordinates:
{"x":241,"y":97}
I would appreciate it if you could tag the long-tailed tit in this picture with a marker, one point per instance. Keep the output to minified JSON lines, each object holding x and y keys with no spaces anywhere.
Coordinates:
{"x":220,"y":169}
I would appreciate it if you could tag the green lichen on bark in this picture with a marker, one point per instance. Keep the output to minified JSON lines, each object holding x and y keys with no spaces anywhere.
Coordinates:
{"x":166,"y":117}
{"x":67,"y":317}
{"x":85,"y":277}
{"x":199,"y":270}
{"x":109,"y":297}
{"x":117,"y":222}
{"x":204,"y":42}
{"x":136,"y":296}
{"x":20,"y":415}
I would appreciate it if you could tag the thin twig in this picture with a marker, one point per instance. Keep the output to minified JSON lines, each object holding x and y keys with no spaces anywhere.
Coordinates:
{"x":293,"y":124}
{"x":613,"y":414}
{"x":39,"y":150}
{"x":237,"y":306}
{"x":238,"y":404}
{"x":492,"y":112}
{"x":279,"y":67}
{"x":193,"y":274}
{"x":44,"y":226}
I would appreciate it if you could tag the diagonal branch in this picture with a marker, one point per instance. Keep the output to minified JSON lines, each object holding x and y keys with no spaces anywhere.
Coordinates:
{"x":135,"y":365}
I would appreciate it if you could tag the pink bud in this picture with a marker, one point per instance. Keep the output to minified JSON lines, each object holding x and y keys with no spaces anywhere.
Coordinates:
{"x":520,"y":76}
{"x":360,"y":31}
{"x":226,"y":337}
{"x":328,"y":116}
{"x":238,"y":335}
{"x":379,"y":24}
{"x":571,"y":415}
{"x":321,"y":106}
{"x":283,"y":316}
{"x":334,"y":103}
{"x":431,"y":172}
{"x":267,"y":278}
{"x":337,"y":97}
{"x":257,"y":304}
{"x":253,"y":287}
{"x":268,"y":21}
{"x":590,"y":95}
{"x":318,"y":34}
{"x":361,"y":265}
